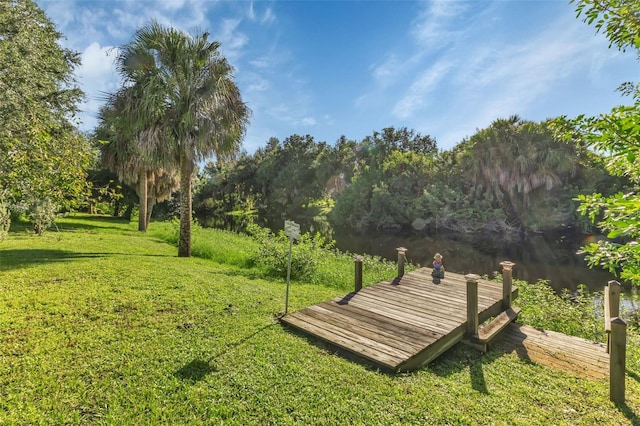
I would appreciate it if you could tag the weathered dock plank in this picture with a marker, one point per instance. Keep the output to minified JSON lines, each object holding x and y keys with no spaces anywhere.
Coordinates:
{"x":568,"y":353}
{"x":401,"y":323}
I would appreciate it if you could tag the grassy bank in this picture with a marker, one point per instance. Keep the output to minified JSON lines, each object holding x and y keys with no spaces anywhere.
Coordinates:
{"x":100,"y":324}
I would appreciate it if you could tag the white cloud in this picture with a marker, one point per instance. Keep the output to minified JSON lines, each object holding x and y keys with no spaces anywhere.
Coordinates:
{"x":387,"y":70}
{"x":436,"y":26}
{"x":415,"y":98}
{"x":269,"y":17}
{"x":507,"y":79}
{"x":172,"y":5}
{"x":97,"y":76}
{"x":261,"y":63}
{"x":97,"y":61}
{"x":258,"y":84}
{"x":231,"y":38}
{"x":307,"y":121}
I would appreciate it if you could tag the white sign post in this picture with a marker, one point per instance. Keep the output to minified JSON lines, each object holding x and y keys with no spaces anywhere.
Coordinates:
{"x":291,"y":230}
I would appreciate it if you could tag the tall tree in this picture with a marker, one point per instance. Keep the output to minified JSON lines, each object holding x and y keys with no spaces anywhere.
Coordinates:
{"x":617,"y":135}
{"x":133,"y":149}
{"x":390,"y":164}
{"x":42,"y":155}
{"x":187,"y":92}
{"x":513,"y":161}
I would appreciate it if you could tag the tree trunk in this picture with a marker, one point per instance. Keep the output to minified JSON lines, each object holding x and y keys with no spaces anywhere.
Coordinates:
{"x":184,"y":245}
{"x":127,"y":213}
{"x":142,"y":195}
{"x":116,"y":208}
{"x":151,"y":202}
{"x":151,"y":197}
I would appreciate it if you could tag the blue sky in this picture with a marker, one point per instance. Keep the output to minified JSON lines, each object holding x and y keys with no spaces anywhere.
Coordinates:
{"x":330,"y":68}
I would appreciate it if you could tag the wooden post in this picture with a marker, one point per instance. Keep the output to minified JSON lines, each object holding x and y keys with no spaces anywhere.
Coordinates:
{"x":617,"y":360}
{"x":611,"y":307}
{"x":401,"y":260}
{"x":506,"y":284}
{"x":358,"y":272}
{"x":472,"y":304}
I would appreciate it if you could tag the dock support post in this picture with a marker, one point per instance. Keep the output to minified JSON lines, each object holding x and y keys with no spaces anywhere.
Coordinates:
{"x":358,"y":273}
{"x":472,"y":304}
{"x":617,"y":360}
{"x":611,"y":307}
{"x":506,"y":284}
{"x":401,"y":260}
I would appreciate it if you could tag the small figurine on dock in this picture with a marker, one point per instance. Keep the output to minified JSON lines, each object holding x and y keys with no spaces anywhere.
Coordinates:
{"x":438,"y":268}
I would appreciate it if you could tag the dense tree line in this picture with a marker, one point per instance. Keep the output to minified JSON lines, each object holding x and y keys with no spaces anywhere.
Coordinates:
{"x":43,"y":157}
{"x":514,"y":176}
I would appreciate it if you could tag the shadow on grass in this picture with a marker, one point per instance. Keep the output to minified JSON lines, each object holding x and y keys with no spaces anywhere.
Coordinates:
{"x":477,"y":376}
{"x":16,"y":259}
{"x":460,"y":357}
{"x":334,"y":350}
{"x":198,"y":368}
{"x":195,"y":370}
{"x":73,"y":223}
{"x":629,"y":413}
{"x":239,"y":271}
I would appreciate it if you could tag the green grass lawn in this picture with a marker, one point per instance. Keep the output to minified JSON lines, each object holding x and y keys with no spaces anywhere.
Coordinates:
{"x":100,"y":324}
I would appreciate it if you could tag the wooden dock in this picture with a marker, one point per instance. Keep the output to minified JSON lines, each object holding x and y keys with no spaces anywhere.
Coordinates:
{"x":567,"y":353}
{"x":400,"y":324}
{"x":404,"y":323}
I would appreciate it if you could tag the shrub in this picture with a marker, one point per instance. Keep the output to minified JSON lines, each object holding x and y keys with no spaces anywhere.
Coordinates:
{"x":273,"y":253}
{"x":314,"y":260}
{"x":572,"y":314}
{"x":42,"y":214}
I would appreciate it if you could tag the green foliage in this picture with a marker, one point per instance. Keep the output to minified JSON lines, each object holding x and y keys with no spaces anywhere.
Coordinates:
{"x":619,"y":217}
{"x":511,"y":177}
{"x":615,"y":134}
{"x":41,"y":153}
{"x":179,"y":104}
{"x":617,"y":19}
{"x":315,"y":260}
{"x":273,"y":254}
{"x":392,"y":169}
{"x":527,"y":172}
{"x":572,"y":314}
{"x":42,"y":214}
{"x":220,"y":246}
{"x":220,"y":199}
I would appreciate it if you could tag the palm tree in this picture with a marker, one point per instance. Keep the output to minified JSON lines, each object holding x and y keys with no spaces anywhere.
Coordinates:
{"x":514,"y":159}
{"x":132,"y":152}
{"x":186,"y":98}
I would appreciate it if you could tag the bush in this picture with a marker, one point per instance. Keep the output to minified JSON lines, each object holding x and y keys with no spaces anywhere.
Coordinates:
{"x":315,"y":261}
{"x":572,"y":314}
{"x":42,"y":214}
{"x":273,"y":253}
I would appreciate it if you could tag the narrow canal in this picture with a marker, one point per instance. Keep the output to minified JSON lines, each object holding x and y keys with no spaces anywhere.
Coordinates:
{"x":543,"y":257}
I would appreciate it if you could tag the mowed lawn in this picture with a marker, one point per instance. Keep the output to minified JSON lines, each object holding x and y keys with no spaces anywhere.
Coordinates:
{"x":100,"y":324}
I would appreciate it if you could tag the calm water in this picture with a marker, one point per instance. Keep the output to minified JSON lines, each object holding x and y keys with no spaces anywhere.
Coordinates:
{"x":549,"y":258}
